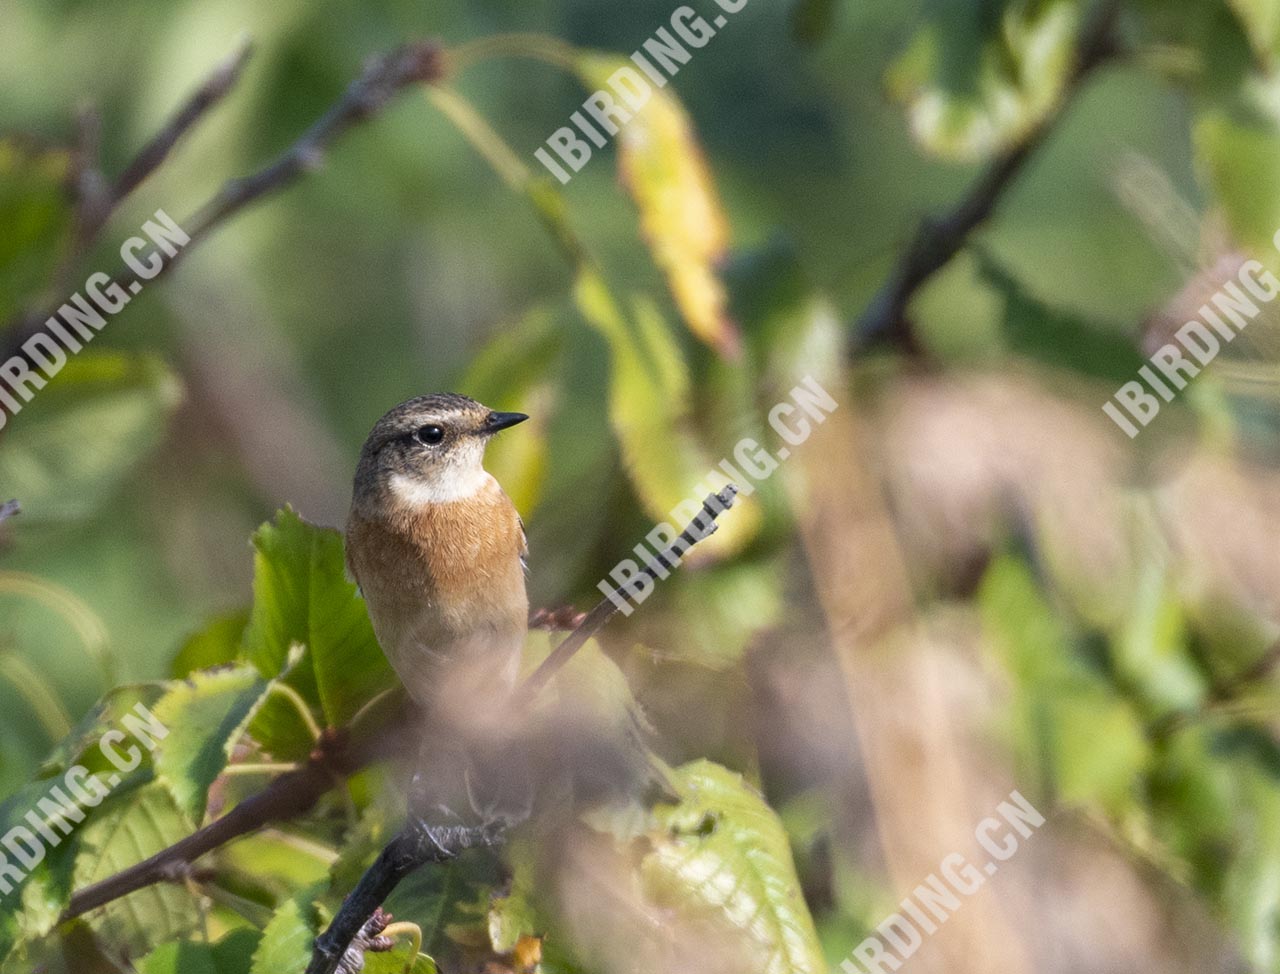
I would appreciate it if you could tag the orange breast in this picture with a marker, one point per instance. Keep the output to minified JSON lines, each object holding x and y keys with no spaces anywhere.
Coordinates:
{"x":439,"y":573}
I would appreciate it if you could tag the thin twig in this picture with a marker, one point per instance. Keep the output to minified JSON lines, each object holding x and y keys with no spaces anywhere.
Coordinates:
{"x":381,"y":80}
{"x":285,"y":798}
{"x":295,"y":793}
{"x":938,"y":239}
{"x":384,"y":77}
{"x":96,"y":197}
{"x":211,"y":91}
{"x":701,"y":527}
{"x":89,"y":186}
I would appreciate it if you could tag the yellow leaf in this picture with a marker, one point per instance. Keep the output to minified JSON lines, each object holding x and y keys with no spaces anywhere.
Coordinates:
{"x":662,"y":167}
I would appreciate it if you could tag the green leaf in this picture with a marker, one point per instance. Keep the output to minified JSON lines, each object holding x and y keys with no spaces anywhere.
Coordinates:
{"x":811,"y":20}
{"x":1261,"y":20}
{"x":302,"y":597}
{"x":1070,"y":725}
{"x":126,"y":829}
{"x":75,"y":443}
{"x":1150,"y":650}
{"x":270,"y":866}
{"x":590,"y":728}
{"x":286,"y":942}
{"x":109,"y":713}
{"x":513,"y":915}
{"x":394,"y":961}
{"x":980,"y":76}
{"x":1058,"y":338}
{"x":1240,"y":153}
{"x":217,"y":644}
{"x":448,"y":902}
{"x":230,"y":955}
{"x":206,"y":716}
{"x":32,"y":908}
{"x":722,"y":854}
{"x":515,"y":372}
{"x":1222,"y":53}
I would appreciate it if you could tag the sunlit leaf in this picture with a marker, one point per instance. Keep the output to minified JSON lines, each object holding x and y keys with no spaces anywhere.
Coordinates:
{"x":395,"y":961}
{"x":1240,"y":156}
{"x":206,"y":716}
{"x":217,"y":644}
{"x":979,"y":77}
{"x":722,"y":854}
{"x":663,"y":168}
{"x":286,"y":942}
{"x":1057,"y":337}
{"x":126,"y":829}
{"x":1066,"y":720}
{"x":1261,"y":19}
{"x":512,"y":915}
{"x":230,"y":955}
{"x":302,"y":598}
{"x":514,"y":373}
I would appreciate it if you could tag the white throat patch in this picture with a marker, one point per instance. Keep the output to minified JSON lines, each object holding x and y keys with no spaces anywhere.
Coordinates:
{"x":456,"y":485}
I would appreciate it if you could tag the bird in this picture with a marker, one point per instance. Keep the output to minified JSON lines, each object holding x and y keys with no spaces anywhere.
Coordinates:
{"x":438,"y":551}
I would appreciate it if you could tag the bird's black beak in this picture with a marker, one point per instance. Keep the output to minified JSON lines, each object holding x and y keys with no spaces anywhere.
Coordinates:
{"x":501,"y":421}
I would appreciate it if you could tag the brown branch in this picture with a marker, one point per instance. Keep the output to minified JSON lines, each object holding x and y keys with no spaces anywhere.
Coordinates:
{"x":287,"y":797}
{"x":96,"y":198}
{"x":416,"y":845}
{"x":384,"y":77}
{"x":295,"y":793}
{"x":419,"y":844}
{"x":938,"y":239}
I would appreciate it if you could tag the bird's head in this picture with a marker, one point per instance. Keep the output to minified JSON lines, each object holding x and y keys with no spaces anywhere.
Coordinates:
{"x":428,"y":450}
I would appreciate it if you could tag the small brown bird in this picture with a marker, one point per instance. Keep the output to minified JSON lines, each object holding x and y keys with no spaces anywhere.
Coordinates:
{"x":438,"y":551}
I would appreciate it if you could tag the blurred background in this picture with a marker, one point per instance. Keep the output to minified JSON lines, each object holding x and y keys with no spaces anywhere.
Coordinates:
{"x":968,"y":581}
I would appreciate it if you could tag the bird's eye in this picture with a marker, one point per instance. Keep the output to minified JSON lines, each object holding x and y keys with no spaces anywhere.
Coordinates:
{"x":429,"y":435}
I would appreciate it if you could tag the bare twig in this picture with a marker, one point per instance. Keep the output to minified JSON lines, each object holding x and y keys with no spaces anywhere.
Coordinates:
{"x":938,"y":239}
{"x":211,"y":91}
{"x":89,"y":186}
{"x":420,"y":844}
{"x":96,"y":197}
{"x":381,"y":80}
{"x":384,"y":77}
{"x":700,"y":528}
{"x":295,"y":793}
